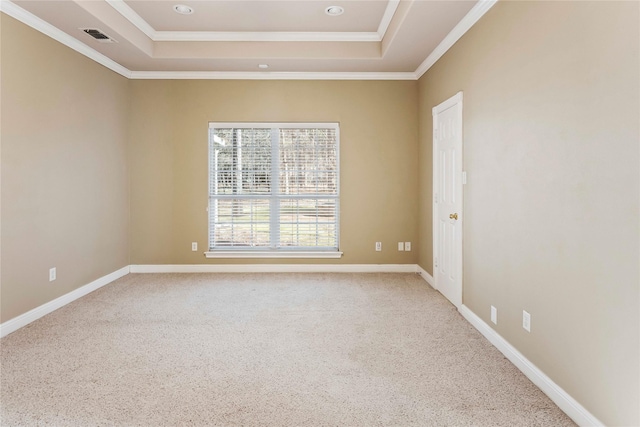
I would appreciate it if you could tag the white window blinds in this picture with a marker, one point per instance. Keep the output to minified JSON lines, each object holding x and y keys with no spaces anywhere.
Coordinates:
{"x":273,"y":186}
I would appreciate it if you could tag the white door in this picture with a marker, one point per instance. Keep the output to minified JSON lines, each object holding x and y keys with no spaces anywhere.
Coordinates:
{"x":447,"y":198}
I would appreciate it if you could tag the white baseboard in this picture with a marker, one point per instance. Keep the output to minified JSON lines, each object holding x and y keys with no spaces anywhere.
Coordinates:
{"x":426,"y":276}
{"x":560,"y":397}
{"x":274,"y":268}
{"x":16,"y":323}
{"x":24,"y":319}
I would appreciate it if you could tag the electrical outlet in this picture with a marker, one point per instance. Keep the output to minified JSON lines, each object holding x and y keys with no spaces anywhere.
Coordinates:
{"x":407,"y":246}
{"x":194,"y":246}
{"x":378,"y":246}
{"x":52,"y":274}
{"x":494,"y":315}
{"x":526,"y":320}
{"x":400,"y":246}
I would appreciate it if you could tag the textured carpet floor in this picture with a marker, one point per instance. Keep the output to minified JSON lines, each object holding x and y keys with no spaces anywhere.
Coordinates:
{"x":263,"y":349}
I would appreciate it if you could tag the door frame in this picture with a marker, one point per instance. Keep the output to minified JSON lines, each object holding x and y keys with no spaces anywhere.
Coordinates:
{"x":455,"y":99}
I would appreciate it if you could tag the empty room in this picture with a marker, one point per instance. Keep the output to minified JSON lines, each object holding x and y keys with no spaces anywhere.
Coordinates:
{"x":319,"y":213}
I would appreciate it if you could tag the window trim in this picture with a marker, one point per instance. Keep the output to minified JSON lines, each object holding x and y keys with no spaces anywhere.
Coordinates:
{"x":274,"y":253}
{"x":282,"y":252}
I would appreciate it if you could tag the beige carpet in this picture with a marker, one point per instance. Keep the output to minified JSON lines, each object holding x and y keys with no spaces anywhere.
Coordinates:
{"x":263,"y":350}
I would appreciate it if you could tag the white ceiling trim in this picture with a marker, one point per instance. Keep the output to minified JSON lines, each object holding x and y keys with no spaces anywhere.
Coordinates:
{"x":131,"y":15}
{"x":27,"y":18}
{"x":264,"y":36}
{"x":257,"y":36}
{"x":270,"y":75}
{"x":44,"y":27}
{"x":392,"y":6}
{"x":454,"y":35}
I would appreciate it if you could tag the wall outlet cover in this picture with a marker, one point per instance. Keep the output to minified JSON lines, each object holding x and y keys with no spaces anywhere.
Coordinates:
{"x":526,"y":320}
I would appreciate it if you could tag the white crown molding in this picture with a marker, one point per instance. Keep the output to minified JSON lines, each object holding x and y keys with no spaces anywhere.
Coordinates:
{"x":274,"y":268}
{"x":266,"y":36}
{"x":454,"y":35}
{"x":44,"y":27}
{"x":132,"y":16}
{"x":392,"y":6}
{"x":269,"y":75}
{"x":560,"y":397}
{"x":256,"y":36}
{"x":24,"y":319}
{"x":6,"y":6}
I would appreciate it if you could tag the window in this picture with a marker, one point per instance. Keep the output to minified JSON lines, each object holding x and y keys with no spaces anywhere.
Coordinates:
{"x":273,"y":190}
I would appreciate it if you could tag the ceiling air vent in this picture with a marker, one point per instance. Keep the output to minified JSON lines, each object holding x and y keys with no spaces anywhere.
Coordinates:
{"x":98,"y":35}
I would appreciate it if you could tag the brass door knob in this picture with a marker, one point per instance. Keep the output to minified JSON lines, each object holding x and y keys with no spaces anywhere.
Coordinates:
{"x":453,"y":216}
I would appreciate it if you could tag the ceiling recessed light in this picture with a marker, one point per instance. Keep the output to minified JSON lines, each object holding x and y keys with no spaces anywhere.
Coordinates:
{"x":334,"y":10}
{"x":183,"y":9}
{"x":263,"y":65}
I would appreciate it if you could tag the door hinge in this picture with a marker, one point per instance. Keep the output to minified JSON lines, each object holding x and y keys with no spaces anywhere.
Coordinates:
{"x":435,"y":263}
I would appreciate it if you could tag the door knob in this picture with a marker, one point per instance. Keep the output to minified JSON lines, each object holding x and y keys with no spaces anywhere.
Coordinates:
{"x":453,"y":216}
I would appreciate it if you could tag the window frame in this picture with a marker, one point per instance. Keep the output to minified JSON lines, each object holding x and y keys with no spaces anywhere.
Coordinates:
{"x":275,"y":197}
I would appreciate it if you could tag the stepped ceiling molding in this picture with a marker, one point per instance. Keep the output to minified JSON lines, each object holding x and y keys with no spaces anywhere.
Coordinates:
{"x":256,"y":39}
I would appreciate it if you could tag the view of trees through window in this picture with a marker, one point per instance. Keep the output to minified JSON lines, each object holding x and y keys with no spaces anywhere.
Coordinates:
{"x":273,"y":187}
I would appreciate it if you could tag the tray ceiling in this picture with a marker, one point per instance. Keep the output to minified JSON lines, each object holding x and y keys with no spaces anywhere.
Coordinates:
{"x":226,"y":38}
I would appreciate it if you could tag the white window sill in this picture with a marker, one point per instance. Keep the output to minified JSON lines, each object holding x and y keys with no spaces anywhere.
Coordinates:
{"x":273,"y":254}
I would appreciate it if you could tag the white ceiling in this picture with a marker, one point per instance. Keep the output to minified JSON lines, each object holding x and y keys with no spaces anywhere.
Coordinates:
{"x":237,"y":16}
{"x":393,"y":39}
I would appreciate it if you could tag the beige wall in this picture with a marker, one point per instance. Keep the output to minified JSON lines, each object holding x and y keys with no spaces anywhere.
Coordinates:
{"x":551,"y":117}
{"x":64,"y":169}
{"x":168,"y":159}
{"x":551,"y":131}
